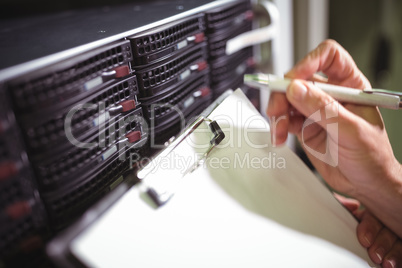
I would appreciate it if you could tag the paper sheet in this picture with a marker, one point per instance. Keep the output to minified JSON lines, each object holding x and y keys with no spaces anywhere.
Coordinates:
{"x":250,"y":205}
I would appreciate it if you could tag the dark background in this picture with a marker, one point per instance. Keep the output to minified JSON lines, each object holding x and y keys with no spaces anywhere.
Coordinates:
{"x":22,"y":8}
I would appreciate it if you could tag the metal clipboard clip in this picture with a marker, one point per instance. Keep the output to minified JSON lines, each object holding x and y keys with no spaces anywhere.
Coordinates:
{"x":159,"y":184}
{"x":216,"y":139}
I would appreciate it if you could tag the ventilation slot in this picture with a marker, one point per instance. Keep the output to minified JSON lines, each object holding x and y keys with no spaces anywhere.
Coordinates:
{"x":64,"y":84}
{"x":78,"y":159}
{"x":224,"y":17}
{"x":168,"y":73}
{"x":160,"y":40}
{"x":52,"y":132}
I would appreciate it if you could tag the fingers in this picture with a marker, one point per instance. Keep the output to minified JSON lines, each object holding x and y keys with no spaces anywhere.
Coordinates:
{"x":296,"y":121}
{"x":278,"y":113}
{"x":319,"y":78}
{"x":315,"y":105}
{"x":382,"y":245}
{"x":394,"y":257}
{"x":322,"y":111}
{"x":306,"y":97}
{"x":334,"y":61}
{"x":350,"y":204}
{"x":331,"y":59}
{"x":368,"y":229}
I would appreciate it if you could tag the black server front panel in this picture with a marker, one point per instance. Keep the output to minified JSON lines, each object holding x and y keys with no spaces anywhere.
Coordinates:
{"x":69,"y":131}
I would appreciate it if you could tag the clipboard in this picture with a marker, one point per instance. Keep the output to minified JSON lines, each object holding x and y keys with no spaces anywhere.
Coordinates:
{"x":257,"y":214}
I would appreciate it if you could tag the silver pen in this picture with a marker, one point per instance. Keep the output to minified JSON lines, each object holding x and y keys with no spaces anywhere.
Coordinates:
{"x":373,"y":97}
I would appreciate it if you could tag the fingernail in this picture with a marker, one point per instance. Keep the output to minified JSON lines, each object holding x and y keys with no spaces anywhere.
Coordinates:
{"x":380,"y":253}
{"x":368,"y":239}
{"x":297,"y":90}
{"x":389,"y":264}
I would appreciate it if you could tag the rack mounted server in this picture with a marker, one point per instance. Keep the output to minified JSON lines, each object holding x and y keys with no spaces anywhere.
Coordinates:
{"x":72,"y":122}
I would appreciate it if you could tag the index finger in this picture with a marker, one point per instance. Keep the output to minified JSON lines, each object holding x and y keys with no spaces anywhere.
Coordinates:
{"x":335,"y":62}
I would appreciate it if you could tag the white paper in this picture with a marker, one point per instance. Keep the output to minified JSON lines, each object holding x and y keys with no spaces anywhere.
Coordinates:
{"x":239,"y":210}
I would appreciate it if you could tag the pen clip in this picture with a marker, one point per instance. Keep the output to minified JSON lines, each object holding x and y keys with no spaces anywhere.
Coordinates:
{"x":382,"y":91}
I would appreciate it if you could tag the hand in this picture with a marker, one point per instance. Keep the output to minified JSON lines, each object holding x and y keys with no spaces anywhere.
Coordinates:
{"x":356,"y":157}
{"x":383,"y":246}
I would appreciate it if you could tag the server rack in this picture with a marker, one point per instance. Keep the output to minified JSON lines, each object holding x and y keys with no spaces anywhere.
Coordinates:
{"x":23,"y":221}
{"x":172,"y":70}
{"x":222,"y":24}
{"x":84,"y":118}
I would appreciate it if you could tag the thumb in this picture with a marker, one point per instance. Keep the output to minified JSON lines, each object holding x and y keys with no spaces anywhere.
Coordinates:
{"x":308,"y":99}
{"x":320,"y":108}
{"x":314,"y":103}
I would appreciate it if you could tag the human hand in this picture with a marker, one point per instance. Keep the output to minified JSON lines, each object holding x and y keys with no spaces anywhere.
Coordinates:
{"x":355,"y":157}
{"x":383,"y":246}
